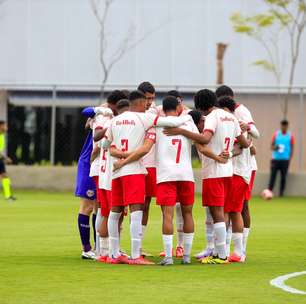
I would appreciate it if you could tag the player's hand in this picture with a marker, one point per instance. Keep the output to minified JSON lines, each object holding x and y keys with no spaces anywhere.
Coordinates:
{"x":172,"y":131}
{"x":221,"y":159}
{"x":225,"y":154}
{"x":118,"y":164}
{"x":103,"y":111}
{"x":243,"y":126}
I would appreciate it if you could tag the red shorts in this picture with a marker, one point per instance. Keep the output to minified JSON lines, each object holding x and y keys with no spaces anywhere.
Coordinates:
{"x":129,"y":189}
{"x":168,"y":193}
{"x":216,"y":191}
{"x":235,"y":204}
{"x":248,"y":193}
{"x":105,"y":201}
{"x":151,"y":182}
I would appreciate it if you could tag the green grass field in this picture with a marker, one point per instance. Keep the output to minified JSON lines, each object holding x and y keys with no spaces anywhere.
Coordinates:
{"x":40,"y":258}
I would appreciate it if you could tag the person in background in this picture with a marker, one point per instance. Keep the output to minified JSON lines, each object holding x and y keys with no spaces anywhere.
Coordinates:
{"x":282,"y":147}
{"x":6,"y":182}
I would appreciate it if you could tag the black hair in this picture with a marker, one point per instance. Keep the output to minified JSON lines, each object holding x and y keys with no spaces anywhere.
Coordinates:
{"x":134,"y":95}
{"x":115,"y":96}
{"x":284,"y":122}
{"x":2,"y":122}
{"x":224,"y":91}
{"x":126,"y":93}
{"x":123,"y":103}
{"x":170,"y":103}
{"x":227,"y":102}
{"x":146,"y":87}
{"x":174,"y":93}
{"x":205,"y":99}
{"x":196,"y":116}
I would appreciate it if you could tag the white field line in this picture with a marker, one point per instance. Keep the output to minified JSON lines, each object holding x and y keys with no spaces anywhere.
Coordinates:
{"x":279,"y":282}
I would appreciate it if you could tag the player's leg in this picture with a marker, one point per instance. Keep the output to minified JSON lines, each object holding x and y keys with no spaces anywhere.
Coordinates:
{"x":167,"y":231}
{"x":284,"y":165}
{"x":214,"y":195}
{"x":166,"y":195}
{"x":86,"y":207}
{"x":6,"y":182}
{"x":113,"y":222}
{"x":185,"y":190}
{"x":179,"y":252}
{"x":234,"y":208}
{"x":274,"y":169}
{"x":145,"y":218}
{"x":209,"y":234}
{"x":247,"y":224}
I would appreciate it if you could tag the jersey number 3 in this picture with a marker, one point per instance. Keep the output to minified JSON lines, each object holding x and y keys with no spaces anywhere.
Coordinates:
{"x":177,"y":142}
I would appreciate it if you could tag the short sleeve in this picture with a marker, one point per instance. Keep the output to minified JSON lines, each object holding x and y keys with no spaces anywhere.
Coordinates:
{"x":148,"y":120}
{"x":109,"y":134}
{"x":151,"y":135}
{"x":210,"y":123}
{"x":237,"y":128}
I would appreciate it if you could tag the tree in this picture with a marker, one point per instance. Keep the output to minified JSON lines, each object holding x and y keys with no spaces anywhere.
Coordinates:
{"x":281,"y":15}
{"x":108,"y":59}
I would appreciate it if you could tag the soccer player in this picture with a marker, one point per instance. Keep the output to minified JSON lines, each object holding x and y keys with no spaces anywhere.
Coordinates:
{"x":127,"y":132}
{"x":220,"y":132}
{"x":86,"y":190}
{"x":149,"y":159}
{"x":242,"y":180}
{"x":282,"y":147}
{"x":6,"y":182}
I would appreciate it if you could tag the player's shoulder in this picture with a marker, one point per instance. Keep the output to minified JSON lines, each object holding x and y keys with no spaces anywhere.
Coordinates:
{"x":241,"y":109}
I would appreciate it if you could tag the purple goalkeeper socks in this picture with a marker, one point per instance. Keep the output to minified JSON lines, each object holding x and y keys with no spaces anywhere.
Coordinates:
{"x":94,"y":216}
{"x":84,"y":229}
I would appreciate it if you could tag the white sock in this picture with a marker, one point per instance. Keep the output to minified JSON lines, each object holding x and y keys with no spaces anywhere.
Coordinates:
{"x":246,"y":232}
{"x":97,"y":225}
{"x":104,"y":246}
{"x":179,"y":225}
{"x":220,"y":239}
{"x":113,"y":232}
{"x":168,"y":240}
{"x":237,"y":242}
{"x":188,"y":239}
{"x":209,"y":231}
{"x":228,"y":239}
{"x":136,"y":233}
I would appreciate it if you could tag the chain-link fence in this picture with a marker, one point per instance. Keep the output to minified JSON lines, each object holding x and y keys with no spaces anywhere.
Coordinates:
{"x":46,"y":125}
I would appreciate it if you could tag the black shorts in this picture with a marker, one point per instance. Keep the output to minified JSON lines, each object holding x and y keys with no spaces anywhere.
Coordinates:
{"x":2,"y":166}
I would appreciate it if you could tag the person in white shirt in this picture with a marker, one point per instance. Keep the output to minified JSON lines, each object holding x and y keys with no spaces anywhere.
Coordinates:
{"x":127,"y":132}
{"x":220,"y":132}
{"x":243,"y":179}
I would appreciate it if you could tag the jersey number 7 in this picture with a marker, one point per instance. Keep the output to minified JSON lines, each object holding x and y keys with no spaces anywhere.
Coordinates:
{"x":177,"y":142}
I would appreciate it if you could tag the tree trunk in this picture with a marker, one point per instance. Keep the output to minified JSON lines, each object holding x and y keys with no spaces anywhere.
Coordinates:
{"x":221,"y":48}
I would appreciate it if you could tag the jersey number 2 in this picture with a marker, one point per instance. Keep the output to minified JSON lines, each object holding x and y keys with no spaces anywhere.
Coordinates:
{"x":177,"y":142}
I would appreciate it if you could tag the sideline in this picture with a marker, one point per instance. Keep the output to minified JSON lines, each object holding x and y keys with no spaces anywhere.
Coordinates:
{"x":279,"y":282}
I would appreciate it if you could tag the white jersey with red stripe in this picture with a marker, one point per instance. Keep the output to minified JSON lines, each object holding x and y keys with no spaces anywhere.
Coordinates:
{"x":98,"y":123}
{"x":225,"y":128}
{"x":173,"y":155}
{"x":243,"y":163}
{"x":127,"y":132}
{"x":106,"y":166}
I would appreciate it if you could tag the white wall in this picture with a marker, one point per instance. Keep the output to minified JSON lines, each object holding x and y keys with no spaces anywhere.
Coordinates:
{"x":56,"y":42}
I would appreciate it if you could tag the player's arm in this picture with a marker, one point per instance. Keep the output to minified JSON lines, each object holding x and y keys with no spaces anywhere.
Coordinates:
{"x":99,"y":134}
{"x":114,"y":152}
{"x":243,"y":142}
{"x":205,"y":150}
{"x":94,"y":153}
{"x":135,"y":155}
{"x":202,"y":139}
{"x":171,"y":121}
{"x":253,"y":150}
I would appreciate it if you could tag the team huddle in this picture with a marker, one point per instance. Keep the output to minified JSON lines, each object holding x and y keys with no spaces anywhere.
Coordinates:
{"x":137,"y":151}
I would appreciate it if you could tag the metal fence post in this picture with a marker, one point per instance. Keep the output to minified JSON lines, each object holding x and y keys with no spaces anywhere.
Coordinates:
{"x":301,"y":128}
{"x":53,"y":127}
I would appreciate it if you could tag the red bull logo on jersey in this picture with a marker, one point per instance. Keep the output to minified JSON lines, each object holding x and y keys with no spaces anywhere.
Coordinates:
{"x":224,"y":119}
{"x":125,"y":122}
